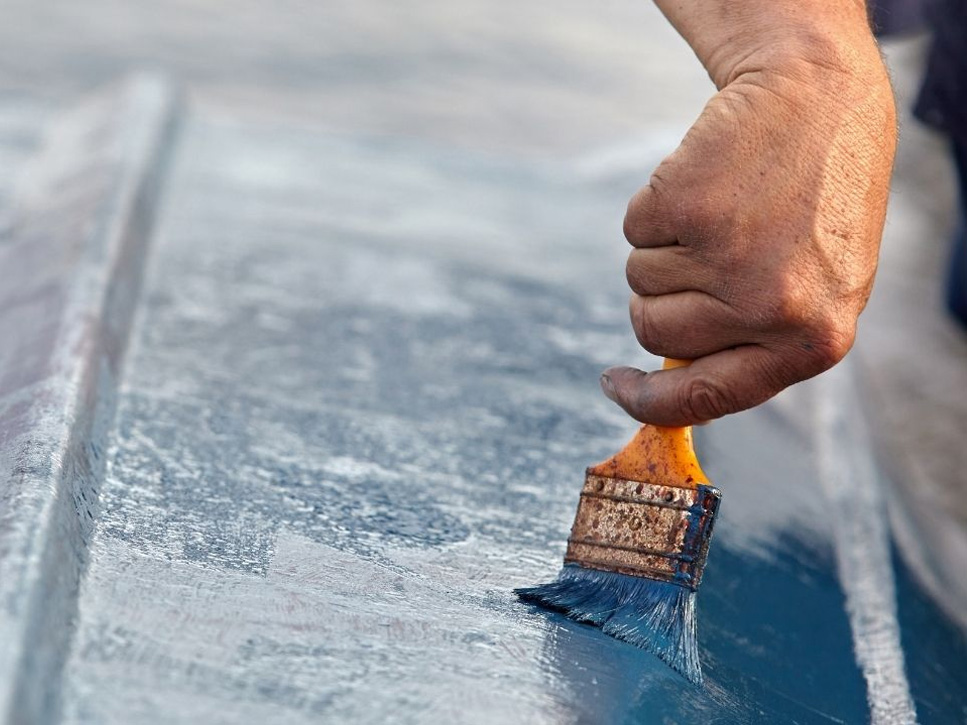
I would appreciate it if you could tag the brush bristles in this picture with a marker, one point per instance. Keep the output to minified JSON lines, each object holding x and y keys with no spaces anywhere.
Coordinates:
{"x":654,"y":615}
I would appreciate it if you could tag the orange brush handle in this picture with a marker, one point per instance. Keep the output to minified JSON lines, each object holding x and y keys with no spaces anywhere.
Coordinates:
{"x":663,"y":456}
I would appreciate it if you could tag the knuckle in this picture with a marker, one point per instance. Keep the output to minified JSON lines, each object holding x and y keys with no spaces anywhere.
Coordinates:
{"x":658,"y":183}
{"x":645,"y":326}
{"x":636,"y":216}
{"x":794,"y":304}
{"x":828,"y":342}
{"x":824,"y":332}
{"x":783,"y":304}
{"x":643,"y":209}
{"x":820,"y":339}
{"x":633,"y":274}
{"x":637,"y":273}
{"x":705,"y":399}
{"x":630,"y":226}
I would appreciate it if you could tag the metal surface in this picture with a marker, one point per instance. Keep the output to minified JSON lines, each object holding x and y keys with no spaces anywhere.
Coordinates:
{"x":69,"y":272}
{"x":360,"y":390}
{"x":642,"y":529}
{"x":609,"y":91}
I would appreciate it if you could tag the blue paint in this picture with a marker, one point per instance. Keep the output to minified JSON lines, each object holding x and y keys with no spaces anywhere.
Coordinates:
{"x":936,"y":652}
{"x":657,"y":616}
{"x":795,"y":665}
{"x":698,"y":535}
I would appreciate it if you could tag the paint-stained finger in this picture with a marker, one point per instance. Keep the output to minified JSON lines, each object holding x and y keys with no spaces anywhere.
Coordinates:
{"x":713,"y":386}
{"x":686,"y":324}
{"x":665,"y":270}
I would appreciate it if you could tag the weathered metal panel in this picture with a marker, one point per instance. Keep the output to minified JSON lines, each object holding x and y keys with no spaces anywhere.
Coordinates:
{"x":343,"y":439}
{"x":68,"y":283}
{"x":353,"y":418}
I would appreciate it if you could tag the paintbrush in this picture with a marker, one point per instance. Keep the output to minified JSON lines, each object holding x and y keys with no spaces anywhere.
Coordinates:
{"x":638,"y":547}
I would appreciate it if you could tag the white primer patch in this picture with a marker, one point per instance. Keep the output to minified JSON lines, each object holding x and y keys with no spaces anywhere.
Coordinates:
{"x":859,"y":523}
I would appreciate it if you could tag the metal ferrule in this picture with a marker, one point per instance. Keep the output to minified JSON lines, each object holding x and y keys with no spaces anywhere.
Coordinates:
{"x":644,"y":530}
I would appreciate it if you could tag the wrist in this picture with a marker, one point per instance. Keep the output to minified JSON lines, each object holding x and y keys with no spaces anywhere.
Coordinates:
{"x":823,"y":76}
{"x":823,"y":61}
{"x":734,"y":38}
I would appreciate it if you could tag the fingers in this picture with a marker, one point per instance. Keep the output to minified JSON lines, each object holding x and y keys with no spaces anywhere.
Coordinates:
{"x":713,"y":386}
{"x":686,"y":324}
{"x":647,"y":222}
{"x":664,"y":270}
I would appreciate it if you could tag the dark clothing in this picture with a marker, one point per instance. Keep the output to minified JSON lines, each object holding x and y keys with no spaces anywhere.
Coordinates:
{"x":942,"y":103}
{"x":896,"y":17}
{"x":957,"y":278}
{"x":943,"y":97}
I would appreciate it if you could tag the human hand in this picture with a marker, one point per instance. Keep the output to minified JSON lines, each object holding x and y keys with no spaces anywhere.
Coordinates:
{"x":756,"y":241}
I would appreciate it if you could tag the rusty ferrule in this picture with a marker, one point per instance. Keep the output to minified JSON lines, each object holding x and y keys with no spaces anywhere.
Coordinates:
{"x":644,"y":530}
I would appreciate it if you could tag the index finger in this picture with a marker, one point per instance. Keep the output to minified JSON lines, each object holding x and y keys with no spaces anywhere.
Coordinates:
{"x":647,"y":221}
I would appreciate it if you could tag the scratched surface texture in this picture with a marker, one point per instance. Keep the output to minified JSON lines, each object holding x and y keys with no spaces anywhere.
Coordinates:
{"x":359,"y":398}
{"x":361,"y":390}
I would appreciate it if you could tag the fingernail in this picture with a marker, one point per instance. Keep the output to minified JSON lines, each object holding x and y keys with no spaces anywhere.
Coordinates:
{"x":607,"y":386}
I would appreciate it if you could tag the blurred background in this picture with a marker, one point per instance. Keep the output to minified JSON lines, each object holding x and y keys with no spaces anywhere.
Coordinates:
{"x":534,"y":78}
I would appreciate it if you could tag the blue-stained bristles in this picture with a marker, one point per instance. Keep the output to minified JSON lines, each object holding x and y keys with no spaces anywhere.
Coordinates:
{"x":654,"y":615}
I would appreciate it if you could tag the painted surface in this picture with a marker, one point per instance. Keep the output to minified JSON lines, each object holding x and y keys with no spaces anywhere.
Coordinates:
{"x":362,"y":393}
{"x":613,"y":84}
{"x":356,"y":411}
{"x":69,"y":276}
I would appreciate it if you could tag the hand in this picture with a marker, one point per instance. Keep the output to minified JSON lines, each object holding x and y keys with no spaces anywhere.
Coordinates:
{"x":756,"y":241}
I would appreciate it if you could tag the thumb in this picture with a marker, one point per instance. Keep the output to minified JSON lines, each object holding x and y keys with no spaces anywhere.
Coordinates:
{"x":713,"y":386}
